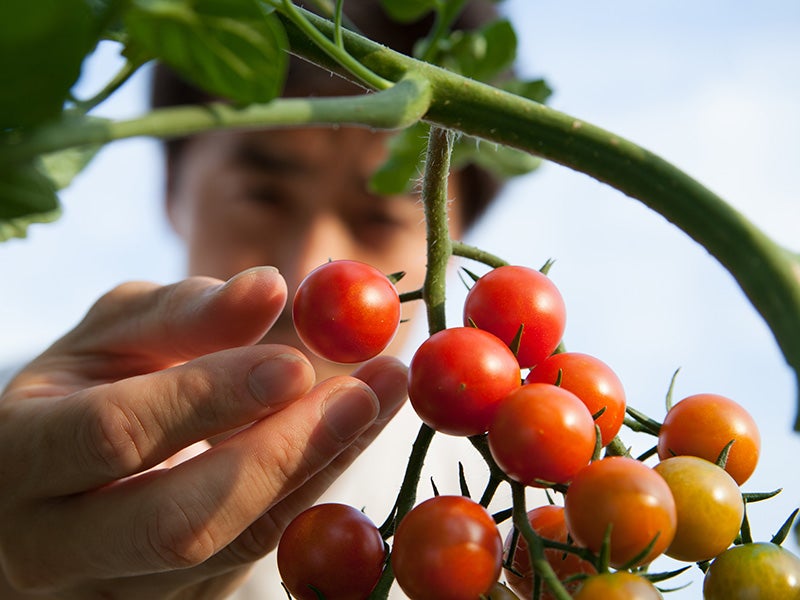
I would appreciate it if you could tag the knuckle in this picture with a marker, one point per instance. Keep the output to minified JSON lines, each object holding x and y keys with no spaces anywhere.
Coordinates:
{"x":116,"y":439}
{"x":176,"y":538}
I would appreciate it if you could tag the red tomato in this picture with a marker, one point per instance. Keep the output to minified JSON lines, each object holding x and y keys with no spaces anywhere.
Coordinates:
{"x":457,"y":378}
{"x":709,"y":506}
{"x":510,"y":296}
{"x":542,"y":433}
{"x":703,"y":424}
{"x":346,"y":311}
{"x":548,"y":522}
{"x":447,"y":548}
{"x":332,"y":548}
{"x":759,"y":570}
{"x":621,"y":585}
{"x":630,"y":497}
{"x":591,"y":380}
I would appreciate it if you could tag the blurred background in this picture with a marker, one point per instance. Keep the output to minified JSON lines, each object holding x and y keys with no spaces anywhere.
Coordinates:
{"x":712,"y":86}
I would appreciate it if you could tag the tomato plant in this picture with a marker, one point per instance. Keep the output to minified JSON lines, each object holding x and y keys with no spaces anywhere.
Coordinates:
{"x":547,"y":521}
{"x":346,"y":311}
{"x":541,"y":433}
{"x":620,"y":585}
{"x":331,"y":549}
{"x":510,"y":297}
{"x":447,"y":548}
{"x":757,"y":570}
{"x":703,"y":425}
{"x":591,"y":380}
{"x":709,"y":507}
{"x":630,"y":498}
{"x":457,"y":378}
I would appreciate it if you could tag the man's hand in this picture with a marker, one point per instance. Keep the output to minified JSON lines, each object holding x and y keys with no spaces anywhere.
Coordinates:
{"x":108,"y":486}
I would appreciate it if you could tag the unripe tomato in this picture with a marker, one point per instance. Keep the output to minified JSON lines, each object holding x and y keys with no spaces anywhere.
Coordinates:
{"x":542,"y":433}
{"x":630,"y":497}
{"x":709,"y":506}
{"x":447,"y":548}
{"x":548,"y":522}
{"x":591,"y":380}
{"x":620,"y":585}
{"x":346,"y":311}
{"x":759,"y":570}
{"x":510,"y":296}
{"x":334,"y":549}
{"x":703,"y":424}
{"x":457,"y":378}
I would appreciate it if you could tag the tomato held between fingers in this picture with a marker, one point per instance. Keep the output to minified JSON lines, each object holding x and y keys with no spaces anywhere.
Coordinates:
{"x":333,"y":549}
{"x":447,"y":548}
{"x":591,"y":380}
{"x":346,"y":311}
{"x":548,"y":522}
{"x":703,"y":424}
{"x":457,"y":378}
{"x":542,"y":433}
{"x":709,"y":506}
{"x":758,"y":570}
{"x":628,"y":496}
{"x":510,"y":296}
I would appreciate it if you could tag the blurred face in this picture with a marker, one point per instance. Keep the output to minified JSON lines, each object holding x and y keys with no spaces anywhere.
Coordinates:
{"x":295,"y":199}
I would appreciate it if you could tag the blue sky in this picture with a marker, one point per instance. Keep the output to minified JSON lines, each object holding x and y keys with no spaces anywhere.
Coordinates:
{"x":711,"y":86}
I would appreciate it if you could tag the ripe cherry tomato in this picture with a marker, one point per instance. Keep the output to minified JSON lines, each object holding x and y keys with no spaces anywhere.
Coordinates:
{"x":709,"y":506}
{"x":630,"y":497}
{"x":591,"y":380}
{"x":621,"y":585}
{"x":703,"y":424}
{"x":548,"y":522}
{"x":542,"y":433}
{"x":457,"y":378}
{"x":346,"y":311}
{"x":447,"y":548}
{"x":510,"y":296}
{"x":332,"y":548}
{"x":759,"y":570}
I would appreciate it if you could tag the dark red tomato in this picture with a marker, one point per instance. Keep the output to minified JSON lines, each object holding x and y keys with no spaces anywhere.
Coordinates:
{"x":759,"y":570}
{"x":457,"y":378}
{"x":709,"y":506}
{"x":703,"y":424}
{"x":542,"y":433}
{"x":510,"y":296}
{"x":447,"y":548}
{"x":334,"y":549}
{"x":621,"y":585}
{"x":630,"y":497}
{"x":548,"y":522}
{"x":591,"y":380}
{"x":346,"y":311}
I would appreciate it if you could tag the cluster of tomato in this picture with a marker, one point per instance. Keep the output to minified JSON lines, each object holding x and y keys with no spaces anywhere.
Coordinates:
{"x":546,"y":430}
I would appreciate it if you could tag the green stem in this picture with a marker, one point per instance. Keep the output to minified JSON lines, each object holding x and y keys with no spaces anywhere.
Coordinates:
{"x":535,"y":544}
{"x":767,"y":273}
{"x":398,"y":107}
{"x":125,"y":73}
{"x":477,"y":254}
{"x":445,"y":15}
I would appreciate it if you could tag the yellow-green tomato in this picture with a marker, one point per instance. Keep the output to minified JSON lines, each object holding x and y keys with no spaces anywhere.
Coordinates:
{"x":709,"y":506}
{"x":760,"y":571}
{"x":620,"y":585}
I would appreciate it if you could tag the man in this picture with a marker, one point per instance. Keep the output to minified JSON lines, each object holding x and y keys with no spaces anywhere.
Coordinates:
{"x":109,"y":487}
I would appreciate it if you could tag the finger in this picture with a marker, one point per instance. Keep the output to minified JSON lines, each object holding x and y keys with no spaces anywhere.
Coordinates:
{"x":114,"y":430}
{"x":140,"y":327}
{"x":181,"y":517}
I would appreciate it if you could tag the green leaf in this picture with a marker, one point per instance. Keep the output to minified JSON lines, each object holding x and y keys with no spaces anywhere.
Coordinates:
{"x":406,"y":153}
{"x":406,"y":11}
{"x":503,"y":161}
{"x":481,"y":54}
{"x":62,"y":167}
{"x":26,"y":196}
{"x":42,"y":48}
{"x":532,"y":89}
{"x":235,"y":49}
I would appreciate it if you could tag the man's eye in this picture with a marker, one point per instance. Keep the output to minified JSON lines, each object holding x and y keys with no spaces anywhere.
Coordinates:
{"x":265,"y":196}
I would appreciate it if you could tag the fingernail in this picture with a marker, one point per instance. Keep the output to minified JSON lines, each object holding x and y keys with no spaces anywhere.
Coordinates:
{"x":349,"y":410}
{"x":268,"y":379}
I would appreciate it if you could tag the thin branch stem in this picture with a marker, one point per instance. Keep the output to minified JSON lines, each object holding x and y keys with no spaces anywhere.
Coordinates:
{"x":125,"y":73}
